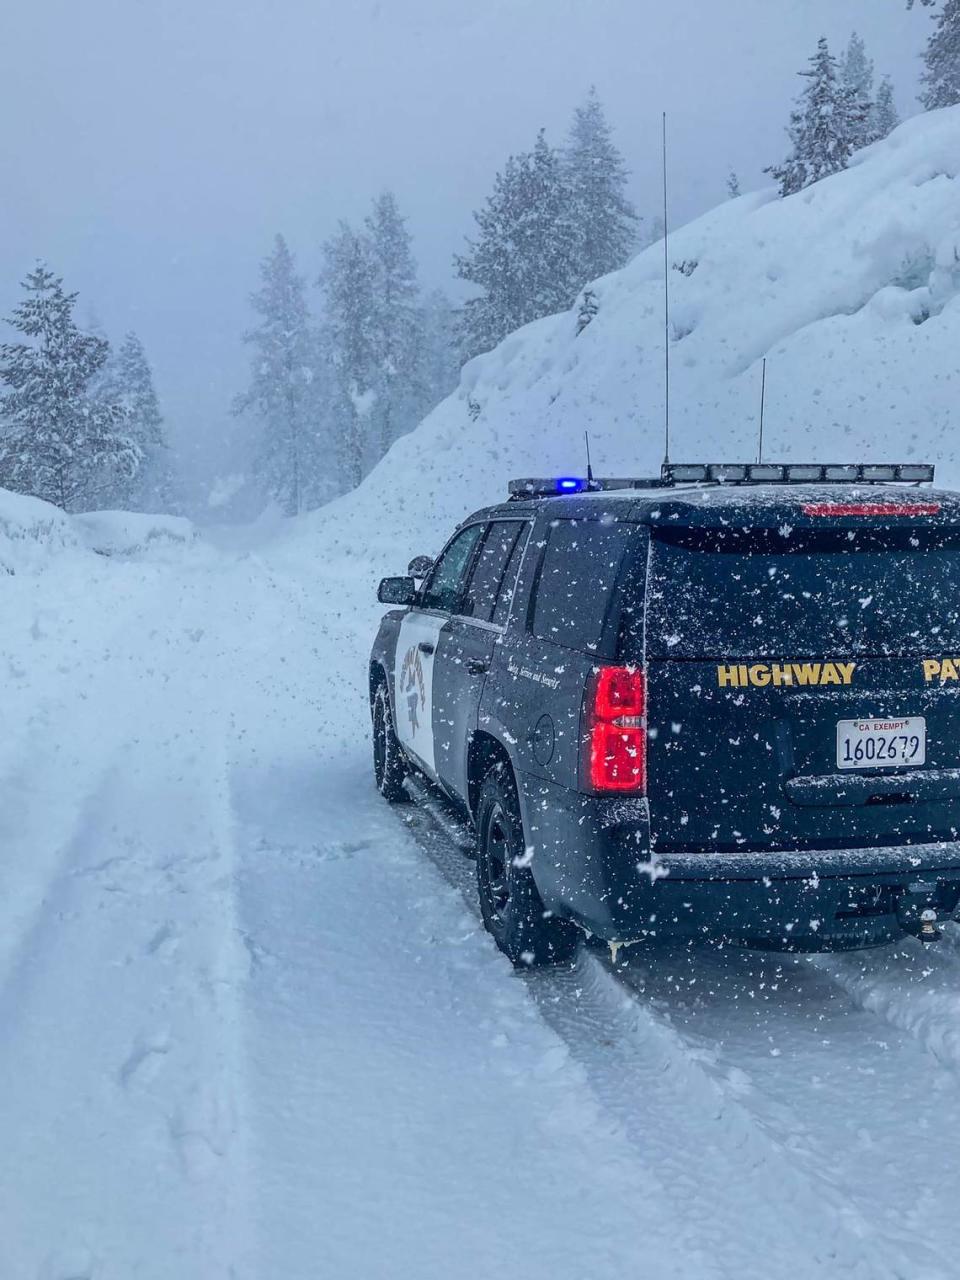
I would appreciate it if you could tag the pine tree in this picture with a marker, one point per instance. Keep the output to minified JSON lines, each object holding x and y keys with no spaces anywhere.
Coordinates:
{"x":823,"y":127}
{"x":127,"y":380}
{"x":941,"y":77}
{"x":281,"y":390}
{"x":856,"y":79}
{"x":525,"y":257}
{"x":883,"y":117}
{"x":441,"y":367}
{"x":58,"y":441}
{"x":395,"y":326}
{"x":733,"y":185}
{"x":604,"y":219}
{"x":348,"y":281}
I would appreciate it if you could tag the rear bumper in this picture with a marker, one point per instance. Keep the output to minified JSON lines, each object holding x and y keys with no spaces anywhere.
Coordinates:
{"x":592,"y":861}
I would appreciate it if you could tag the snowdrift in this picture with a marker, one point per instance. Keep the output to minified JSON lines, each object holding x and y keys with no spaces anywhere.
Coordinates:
{"x":129,"y":533}
{"x":850,"y":289}
{"x":32,"y":531}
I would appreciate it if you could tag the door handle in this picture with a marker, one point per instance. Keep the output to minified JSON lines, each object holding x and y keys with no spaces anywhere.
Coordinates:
{"x":477,"y":666}
{"x":426,"y":646}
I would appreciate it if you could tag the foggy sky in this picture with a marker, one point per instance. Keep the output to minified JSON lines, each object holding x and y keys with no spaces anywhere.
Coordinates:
{"x":152,"y":148}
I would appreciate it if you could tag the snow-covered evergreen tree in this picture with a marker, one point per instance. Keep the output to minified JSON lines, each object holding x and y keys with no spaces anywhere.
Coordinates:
{"x":733,"y":185}
{"x":57,"y":440}
{"x":348,"y":281}
{"x":395,"y":326}
{"x":524,"y":259}
{"x":441,"y":366}
{"x":884,"y":117}
{"x":127,"y":380}
{"x":290,"y":457}
{"x":941,"y":77}
{"x":856,"y":78}
{"x":605,"y":221}
{"x":824,"y":127}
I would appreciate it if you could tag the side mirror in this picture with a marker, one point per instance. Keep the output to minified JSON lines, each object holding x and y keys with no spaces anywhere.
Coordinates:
{"x":397,"y":591}
{"x":420,"y":566}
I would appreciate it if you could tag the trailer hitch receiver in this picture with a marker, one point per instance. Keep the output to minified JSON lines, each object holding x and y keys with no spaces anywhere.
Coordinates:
{"x":917,"y":909}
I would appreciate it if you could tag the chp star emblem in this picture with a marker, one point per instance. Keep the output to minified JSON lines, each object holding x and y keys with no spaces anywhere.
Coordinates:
{"x":412,"y":688}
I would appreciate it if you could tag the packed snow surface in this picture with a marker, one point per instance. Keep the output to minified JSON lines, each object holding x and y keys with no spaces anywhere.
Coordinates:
{"x":250,"y":1025}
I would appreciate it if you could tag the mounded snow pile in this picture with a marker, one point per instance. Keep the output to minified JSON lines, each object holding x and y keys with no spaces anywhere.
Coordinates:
{"x":30,"y":532}
{"x":128,"y":533}
{"x":850,"y":289}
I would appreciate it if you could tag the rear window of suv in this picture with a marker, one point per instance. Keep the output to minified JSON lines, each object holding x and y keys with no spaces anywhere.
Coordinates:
{"x":753,"y":593}
{"x":581,"y":564}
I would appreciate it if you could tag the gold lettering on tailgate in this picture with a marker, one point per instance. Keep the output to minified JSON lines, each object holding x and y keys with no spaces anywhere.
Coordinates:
{"x":807,"y":672}
{"x":761,"y":674}
{"x":941,"y":669}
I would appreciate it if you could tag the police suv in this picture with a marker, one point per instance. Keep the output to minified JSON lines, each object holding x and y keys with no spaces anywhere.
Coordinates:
{"x":724,"y":704}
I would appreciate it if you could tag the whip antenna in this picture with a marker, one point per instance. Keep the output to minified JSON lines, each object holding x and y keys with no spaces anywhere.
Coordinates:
{"x":763,"y":398}
{"x":586,"y":441}
{"x":666,"y":309}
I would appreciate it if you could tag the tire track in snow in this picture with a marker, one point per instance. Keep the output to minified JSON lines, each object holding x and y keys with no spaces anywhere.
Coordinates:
{"x":911,"y":986}
{"x":744,"y":1198}
{"x":63,"y":759}
{"x":856,"y":1106}
{"x":120,"y":1030}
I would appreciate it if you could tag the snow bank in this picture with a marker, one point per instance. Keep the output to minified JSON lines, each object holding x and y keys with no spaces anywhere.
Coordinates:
{"x":30,"y":531}
{"x":850,"y":289}
{"x":130,"y":533}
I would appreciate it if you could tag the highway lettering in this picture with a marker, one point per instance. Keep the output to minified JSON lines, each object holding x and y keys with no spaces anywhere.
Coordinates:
{"x":759,"y":675}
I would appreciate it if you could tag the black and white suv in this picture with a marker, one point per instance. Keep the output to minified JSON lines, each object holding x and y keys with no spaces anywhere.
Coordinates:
{"x":722,"y":705}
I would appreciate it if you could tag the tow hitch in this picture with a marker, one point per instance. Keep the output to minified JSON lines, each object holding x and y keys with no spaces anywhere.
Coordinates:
{"x":917,"y":910}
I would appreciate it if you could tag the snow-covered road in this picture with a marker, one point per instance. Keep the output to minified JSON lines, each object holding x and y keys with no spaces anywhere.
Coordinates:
{"x":250,"y":1026}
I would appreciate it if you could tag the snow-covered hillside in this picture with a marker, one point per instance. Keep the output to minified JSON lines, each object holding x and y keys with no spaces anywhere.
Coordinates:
{"x":851,"y":289}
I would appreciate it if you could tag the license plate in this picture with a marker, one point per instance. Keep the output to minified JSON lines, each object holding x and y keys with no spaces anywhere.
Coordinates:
{"x":882,"y":743}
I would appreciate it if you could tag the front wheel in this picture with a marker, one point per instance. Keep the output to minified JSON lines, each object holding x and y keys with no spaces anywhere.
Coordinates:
{"x":389,"y":766}
{"x":510,"y":902}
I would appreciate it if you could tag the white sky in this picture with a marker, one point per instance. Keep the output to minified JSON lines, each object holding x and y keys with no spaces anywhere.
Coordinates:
{"x":152,"y":148}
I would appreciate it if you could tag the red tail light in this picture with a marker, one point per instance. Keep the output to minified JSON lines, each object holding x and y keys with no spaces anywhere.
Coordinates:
{"x":871,"y":508}
{"x":615,"y":749}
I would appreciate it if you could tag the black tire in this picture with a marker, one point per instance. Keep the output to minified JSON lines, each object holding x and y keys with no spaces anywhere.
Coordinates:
{"x":510,"y":903}
{"x":389,"y":765}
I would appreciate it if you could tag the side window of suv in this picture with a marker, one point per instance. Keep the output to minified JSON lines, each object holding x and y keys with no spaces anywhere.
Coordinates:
{"x":443,"y":588}
{"x":488,"y":571}
{"x":580,"y":566}
{"x":508,"y":584}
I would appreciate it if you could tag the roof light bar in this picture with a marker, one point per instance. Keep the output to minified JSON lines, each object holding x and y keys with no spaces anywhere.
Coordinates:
{"x":796,"y":473}
{"x":678,"y":473}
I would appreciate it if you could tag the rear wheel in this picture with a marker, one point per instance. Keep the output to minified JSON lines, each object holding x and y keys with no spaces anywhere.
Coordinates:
{"x":389,"y":766}
{"x":510,"y":903}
